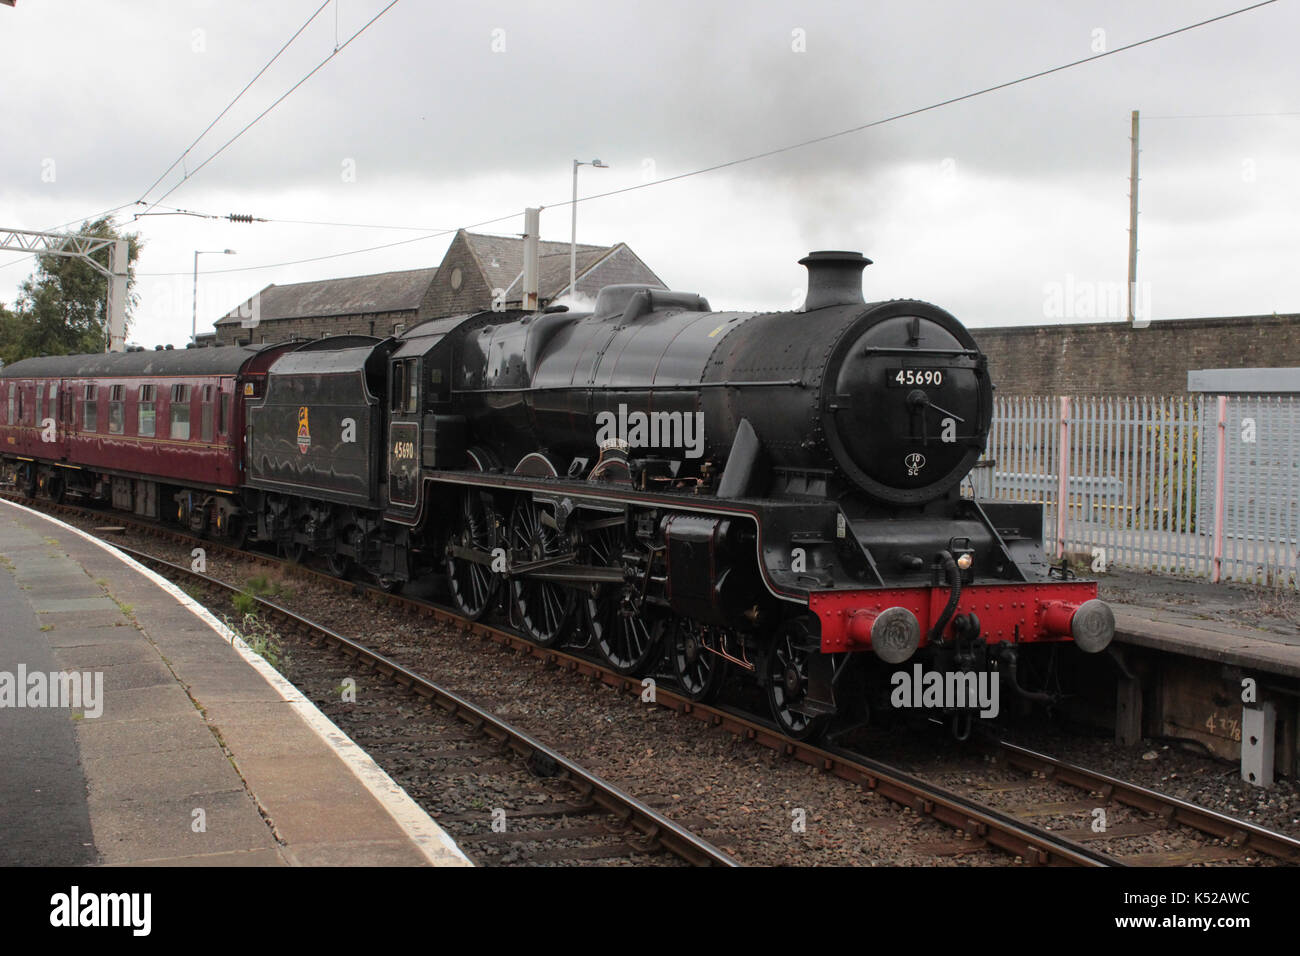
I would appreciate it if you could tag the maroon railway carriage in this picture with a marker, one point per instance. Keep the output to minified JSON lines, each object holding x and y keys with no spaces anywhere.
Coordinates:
{"x":157,"y":433}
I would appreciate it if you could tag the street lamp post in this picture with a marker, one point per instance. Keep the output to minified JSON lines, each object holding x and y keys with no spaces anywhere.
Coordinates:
{"x":573,"y":233}
{"x":194,"y":318}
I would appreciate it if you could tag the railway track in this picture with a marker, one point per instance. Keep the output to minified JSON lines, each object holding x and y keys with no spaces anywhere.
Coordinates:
{"x":967,"y":811}
{"x":1049,"y":787}
{"x":591,"y":820}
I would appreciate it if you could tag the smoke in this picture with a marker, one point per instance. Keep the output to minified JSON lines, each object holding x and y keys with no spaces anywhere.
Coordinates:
{"x":577,"y":302}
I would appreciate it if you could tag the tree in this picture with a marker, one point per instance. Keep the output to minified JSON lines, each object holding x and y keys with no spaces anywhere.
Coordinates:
{"x":10,"y":330}
{"x":62,"y":308}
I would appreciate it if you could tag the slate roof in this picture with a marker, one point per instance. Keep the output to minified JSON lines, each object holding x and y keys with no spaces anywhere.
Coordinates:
{"x":354,"y":295}
{"x":502,"y":262}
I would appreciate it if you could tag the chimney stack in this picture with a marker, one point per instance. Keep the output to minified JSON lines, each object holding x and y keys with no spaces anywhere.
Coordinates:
{"x":532,"y":219}
{"x":834,"y":278}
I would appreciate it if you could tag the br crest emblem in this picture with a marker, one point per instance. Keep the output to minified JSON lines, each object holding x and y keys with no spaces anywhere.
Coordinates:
{"x":304,"y":430}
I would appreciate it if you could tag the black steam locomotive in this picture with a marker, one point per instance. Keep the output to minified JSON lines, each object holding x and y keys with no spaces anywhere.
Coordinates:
{"x":756,"y":494}
{"x":762,"y":494}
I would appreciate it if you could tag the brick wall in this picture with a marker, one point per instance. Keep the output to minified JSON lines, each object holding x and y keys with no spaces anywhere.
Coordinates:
{"x":1109,"y":358}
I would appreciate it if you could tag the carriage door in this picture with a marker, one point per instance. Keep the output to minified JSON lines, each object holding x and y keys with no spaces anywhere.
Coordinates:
{"x":404,"y":433}
{"x":65,"y":412}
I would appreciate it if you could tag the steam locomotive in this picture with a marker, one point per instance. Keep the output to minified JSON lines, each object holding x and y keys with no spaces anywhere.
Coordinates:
{"x":760,"y":495}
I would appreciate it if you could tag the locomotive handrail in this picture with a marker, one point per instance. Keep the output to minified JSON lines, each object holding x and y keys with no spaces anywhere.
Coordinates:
{"x":898,"y":350}
{"x":792,"y":382}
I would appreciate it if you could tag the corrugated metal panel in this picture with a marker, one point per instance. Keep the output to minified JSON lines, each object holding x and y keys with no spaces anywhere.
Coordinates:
{"x":1252,"y":381}
{"x":1261,"y":487}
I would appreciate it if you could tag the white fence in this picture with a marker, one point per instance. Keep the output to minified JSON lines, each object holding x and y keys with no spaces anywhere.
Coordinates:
{"x":1202,"y":485}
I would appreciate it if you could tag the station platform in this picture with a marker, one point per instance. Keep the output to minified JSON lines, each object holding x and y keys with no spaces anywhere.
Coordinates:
{"x":1249,"y":627}
{"x":160,"y":741}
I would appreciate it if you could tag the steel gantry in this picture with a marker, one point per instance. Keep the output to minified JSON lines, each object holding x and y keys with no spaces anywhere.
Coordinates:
{"x":84,"y":248}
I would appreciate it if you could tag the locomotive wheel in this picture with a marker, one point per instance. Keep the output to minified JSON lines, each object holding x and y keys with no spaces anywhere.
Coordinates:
{"x":342,"y":565}
{"x":545,"y":608}
{"x":27,"y":480}
{"x":339,"y":565}
{"x":233,"y":529}
{"x":54,"y":489}
{"x":698,"y":669}
{"x":294,"y":552}
{"x":473,"y":585}
{"x":629,"y":641}
{"x":787,"y":685}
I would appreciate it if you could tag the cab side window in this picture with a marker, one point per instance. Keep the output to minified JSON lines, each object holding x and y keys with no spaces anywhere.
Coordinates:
{"x":398,"y":385}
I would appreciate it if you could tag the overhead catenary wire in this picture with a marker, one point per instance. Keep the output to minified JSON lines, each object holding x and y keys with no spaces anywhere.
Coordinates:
{"x":189,"y":148}
{"x":768,"y":152}
{"x":238,"y":96}
{"x":177,"y":211}
{"x":1181,"y":116}
{"x":280,"y":99}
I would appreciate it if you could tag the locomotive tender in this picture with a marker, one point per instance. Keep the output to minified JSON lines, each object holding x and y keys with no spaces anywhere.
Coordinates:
{"x":761,"y":494}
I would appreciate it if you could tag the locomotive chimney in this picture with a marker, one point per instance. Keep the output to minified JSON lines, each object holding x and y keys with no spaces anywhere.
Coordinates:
{"x":834,"y":278}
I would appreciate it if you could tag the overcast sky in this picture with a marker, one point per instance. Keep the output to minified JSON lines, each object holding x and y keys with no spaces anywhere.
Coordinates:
{"x":1006,"y":209}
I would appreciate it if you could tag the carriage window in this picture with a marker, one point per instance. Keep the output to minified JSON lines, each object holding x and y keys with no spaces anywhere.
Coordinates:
{"x":207,"y":413}
{"x":10,"y":417}
{"x":115,"y":414}
{"x":40,"y":403}
{"x":180,"y":412}
{"x":223,"y":414}
{"x":144,"y":411}
{"x":90,"y":409}
{"x":54,"y":400}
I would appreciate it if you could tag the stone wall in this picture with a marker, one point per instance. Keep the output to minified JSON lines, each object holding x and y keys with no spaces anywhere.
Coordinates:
{"x":444,"y":296}
{"x":1109,"y":358}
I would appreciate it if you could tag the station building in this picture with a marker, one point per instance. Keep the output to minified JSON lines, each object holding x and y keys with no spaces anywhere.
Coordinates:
{"x":478,"y":272}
